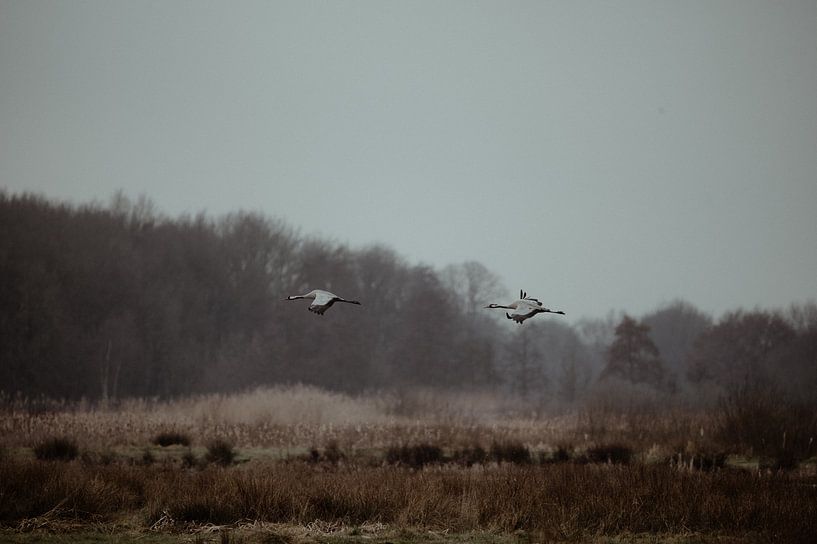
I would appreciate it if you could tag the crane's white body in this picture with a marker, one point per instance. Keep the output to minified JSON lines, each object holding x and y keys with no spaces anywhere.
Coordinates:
{"x":321,"y":300}
{"x":524,"y":308}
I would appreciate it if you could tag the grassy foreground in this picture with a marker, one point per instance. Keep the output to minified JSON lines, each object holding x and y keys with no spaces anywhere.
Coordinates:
{"x":297,"y":466}
{"x":555,"y":502}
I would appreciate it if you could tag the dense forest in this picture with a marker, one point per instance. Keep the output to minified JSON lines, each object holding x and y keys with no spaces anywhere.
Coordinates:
{"x":117,"y":300}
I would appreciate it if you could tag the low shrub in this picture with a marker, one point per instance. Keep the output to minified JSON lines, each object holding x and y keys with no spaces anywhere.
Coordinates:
{"x":57,"y":449}
{"x":562,"y":454}
{"x":147,"y":457}
{"x":762,"y":420}
{"x":331,"y":454}
{"x":616,"y":454}
{"x":102,"y":458}
{"x":220,"y":452}
{"x":510,"y":452}
{"x":170,"y":438}
{"x":188,"y":459}
{"x":475,"y":455}
{"x":415,"y":456}
{"x":783,"y":460}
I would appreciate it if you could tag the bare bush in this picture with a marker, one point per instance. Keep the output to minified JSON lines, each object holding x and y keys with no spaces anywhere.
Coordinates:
{"x":762,"y":421}
{"x":469,"y":456}
{"x":414,"y":456}
{"x":170,"y":438}
{"x":57,"y":449}
{"x":331,"y":454}
{"x":220,"y":452}
{"x":615,"y":454}
{"x":510,"y":452}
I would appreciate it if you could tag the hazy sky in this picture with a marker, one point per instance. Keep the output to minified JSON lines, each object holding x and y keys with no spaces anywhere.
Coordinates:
{"x":599,"y":155}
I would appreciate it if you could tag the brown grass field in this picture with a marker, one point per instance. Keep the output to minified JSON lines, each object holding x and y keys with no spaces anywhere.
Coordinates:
{"x":302,"y":465}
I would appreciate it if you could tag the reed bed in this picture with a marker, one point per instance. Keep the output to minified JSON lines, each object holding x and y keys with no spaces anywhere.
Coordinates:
{"x":301,"y":417}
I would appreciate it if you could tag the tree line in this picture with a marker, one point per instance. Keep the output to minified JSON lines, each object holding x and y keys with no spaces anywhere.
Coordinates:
{"x":117,"y":300}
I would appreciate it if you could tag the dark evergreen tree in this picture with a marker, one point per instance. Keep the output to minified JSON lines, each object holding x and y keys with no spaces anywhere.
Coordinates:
{"x":633,"y":356}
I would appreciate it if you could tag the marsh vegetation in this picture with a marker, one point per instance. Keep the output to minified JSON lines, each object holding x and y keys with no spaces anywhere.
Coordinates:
{"x":463,"y":465}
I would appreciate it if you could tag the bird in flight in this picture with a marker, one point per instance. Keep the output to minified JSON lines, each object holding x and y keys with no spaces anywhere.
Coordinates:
{"x":524,"y":308}
{"x":321,"y":300}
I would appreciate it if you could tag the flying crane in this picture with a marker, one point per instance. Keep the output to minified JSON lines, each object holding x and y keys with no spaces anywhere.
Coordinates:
{"x":321,"y":300}
{"x":524,"y":308}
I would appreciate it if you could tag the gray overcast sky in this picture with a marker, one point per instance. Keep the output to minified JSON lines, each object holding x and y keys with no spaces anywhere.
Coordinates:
{"x":600,"y":155}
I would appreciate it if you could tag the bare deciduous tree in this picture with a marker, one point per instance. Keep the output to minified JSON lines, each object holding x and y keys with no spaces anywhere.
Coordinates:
{"x":674,"y":329}
{"x":739,"y":349}
{"x":472,"y":285}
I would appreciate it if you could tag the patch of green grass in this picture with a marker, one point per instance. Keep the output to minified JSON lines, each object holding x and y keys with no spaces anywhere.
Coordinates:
{"x":264,"y":454}
{"x":746,"y":463}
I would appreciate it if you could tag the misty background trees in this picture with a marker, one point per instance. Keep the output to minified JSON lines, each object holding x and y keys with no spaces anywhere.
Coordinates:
{"x":112,"y":301}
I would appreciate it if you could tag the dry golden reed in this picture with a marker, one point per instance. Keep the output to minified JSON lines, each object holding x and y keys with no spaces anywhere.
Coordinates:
{"x":300,"y":417}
